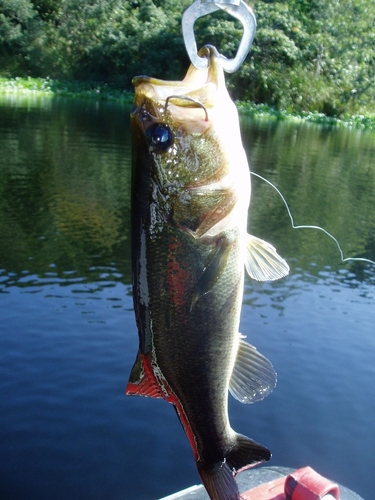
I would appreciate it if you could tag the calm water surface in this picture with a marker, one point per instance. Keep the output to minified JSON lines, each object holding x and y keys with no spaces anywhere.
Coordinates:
{"x":67,"y":330}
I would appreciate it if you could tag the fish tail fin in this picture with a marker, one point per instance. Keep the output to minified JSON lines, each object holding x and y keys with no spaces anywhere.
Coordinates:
{"x":246,"y":453}
{"x":219,"y":479}
{"x":219,"y":482}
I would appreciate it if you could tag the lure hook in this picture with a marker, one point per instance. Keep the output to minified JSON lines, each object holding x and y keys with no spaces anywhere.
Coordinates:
{"x":236,"y":8}
{"x":186,"y":98}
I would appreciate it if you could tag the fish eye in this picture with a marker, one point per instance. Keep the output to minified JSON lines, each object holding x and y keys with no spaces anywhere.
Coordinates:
{"x":160,"y":136}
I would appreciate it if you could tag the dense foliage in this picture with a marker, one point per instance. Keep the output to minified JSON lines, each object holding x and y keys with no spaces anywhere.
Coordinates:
{"x":309,"y":55}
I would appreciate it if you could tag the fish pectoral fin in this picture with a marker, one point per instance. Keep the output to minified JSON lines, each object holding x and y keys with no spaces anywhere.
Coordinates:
{"x":140,"y":383}
{"x":213,"y":270}
{"x":253,"y":376}
{"x":263,"y":263}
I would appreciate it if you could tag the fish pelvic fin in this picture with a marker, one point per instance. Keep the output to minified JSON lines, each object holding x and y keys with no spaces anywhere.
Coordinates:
{"x":142,"y":381}
{"x":219,"y":479}
{"x":263,"y":263}
{"x":253,"y":376}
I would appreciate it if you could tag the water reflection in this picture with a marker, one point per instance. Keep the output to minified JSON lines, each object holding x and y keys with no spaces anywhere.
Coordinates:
{"x":265,"y":295}
{"x":67,"y":329}
{"x":64,"y":186}
{"x":327,"y":178}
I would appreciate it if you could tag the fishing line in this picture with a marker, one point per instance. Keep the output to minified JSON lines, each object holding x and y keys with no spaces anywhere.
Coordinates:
{"x":344,"y":259}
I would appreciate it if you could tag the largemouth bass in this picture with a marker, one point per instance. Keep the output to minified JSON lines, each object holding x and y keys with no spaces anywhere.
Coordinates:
{"x":190,"y":197}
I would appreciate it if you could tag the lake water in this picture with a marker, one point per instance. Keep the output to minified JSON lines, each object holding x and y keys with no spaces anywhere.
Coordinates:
{"x":67,"y":331}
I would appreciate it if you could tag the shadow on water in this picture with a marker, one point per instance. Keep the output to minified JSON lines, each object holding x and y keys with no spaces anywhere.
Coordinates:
{"x":67,"y":329}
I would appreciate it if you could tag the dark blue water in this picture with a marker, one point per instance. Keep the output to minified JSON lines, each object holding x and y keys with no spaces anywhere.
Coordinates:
{"x":67,"y":330}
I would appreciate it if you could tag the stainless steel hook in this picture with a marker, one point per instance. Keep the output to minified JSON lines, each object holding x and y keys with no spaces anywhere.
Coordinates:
{"x":236,"y":8}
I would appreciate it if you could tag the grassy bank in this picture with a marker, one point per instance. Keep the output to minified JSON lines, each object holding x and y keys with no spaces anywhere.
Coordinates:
{"x":104,"y":91}
{"x":48,"y":86}
{"x":265,"y":111}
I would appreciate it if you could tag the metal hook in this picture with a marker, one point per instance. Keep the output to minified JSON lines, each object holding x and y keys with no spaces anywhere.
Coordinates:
{"x":186,"y":98}
{"x":236,"y":8}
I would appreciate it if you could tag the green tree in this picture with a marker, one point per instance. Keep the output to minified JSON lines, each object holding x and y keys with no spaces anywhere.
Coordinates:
{"x":307,"y":54}
{"x":20,"y":34}
{"x":49,"y":10}
{"x":311,"y":55}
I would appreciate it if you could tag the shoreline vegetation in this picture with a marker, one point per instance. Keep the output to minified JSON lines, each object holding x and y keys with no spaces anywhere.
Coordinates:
{"x":53,"y":87}
{"x":310,"y":59}
{"x":105,"y":92}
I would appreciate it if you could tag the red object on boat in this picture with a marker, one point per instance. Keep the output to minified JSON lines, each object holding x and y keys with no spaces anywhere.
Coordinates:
{"x":302,"y":484}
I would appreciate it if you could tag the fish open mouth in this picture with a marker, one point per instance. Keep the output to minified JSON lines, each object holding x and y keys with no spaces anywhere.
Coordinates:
{"x":185,"y":100}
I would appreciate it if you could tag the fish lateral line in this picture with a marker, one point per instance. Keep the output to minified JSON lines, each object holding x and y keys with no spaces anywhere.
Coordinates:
{"x":294,"y":226}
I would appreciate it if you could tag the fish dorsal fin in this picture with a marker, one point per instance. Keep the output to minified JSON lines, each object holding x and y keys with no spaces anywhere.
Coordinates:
{"x":141,"y":380}
{"x":253,"y":376}
{"x":262,"y":262}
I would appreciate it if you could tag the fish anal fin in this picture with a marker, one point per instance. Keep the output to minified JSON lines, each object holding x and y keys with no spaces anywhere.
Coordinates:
{"x":253,"y":376}
{"x":263,"y":263}
{"x":142,"y":381}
